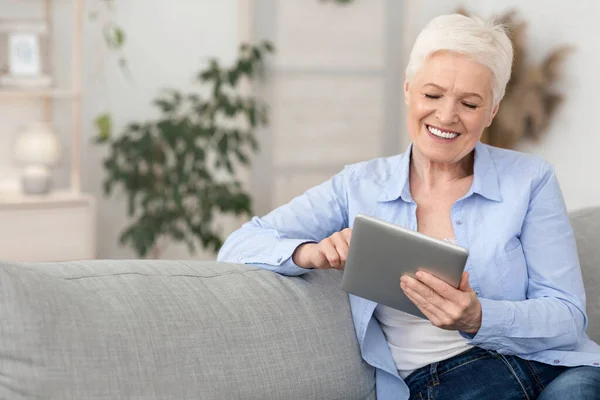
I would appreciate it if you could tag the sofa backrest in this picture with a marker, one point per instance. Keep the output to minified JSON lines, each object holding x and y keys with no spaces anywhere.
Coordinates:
{"x":586,"y":225}
{"x":194,"y":330}
{"x":175,"y":330}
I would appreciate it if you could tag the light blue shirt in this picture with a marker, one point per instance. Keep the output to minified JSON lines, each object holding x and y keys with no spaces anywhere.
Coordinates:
{"x":522,"y":261}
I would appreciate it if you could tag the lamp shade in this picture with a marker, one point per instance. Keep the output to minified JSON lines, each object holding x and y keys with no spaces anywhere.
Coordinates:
{"x":37,"y":144}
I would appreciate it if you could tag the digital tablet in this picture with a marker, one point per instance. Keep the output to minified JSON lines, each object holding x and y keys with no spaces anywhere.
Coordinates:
{"x":381,"y":252}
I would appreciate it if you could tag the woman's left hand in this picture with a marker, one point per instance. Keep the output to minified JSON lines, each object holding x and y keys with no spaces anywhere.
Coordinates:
{"x":445,"y":306}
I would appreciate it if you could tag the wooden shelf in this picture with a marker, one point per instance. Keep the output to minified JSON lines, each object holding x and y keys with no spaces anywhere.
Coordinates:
{"x":57,"y":227}
{"x":38,"y":93}
{"x":65,"y":197}
{"x":61,"y":225}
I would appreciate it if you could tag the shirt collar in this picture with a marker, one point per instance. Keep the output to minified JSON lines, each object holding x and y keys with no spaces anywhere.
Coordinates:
{"x":485,"y":177}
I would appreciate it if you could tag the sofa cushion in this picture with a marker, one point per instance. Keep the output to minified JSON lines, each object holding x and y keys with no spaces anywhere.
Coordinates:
{"x":586,"y":225}
{"x":175,"y":330}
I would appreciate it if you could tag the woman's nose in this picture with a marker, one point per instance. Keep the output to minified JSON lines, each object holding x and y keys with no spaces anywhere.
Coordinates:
{"x":446,"y":113}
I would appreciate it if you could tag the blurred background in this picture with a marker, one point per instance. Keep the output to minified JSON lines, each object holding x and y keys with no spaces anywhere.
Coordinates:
{"x":147,"y":128}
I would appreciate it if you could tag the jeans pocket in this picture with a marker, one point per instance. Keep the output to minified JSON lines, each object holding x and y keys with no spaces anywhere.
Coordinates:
{"x":418,"y":396}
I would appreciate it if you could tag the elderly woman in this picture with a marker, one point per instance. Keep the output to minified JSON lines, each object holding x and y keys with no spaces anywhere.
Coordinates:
{"x":515,"y":327}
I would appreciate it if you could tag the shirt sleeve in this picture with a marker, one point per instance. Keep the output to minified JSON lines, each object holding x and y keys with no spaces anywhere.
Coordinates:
{"x":553,"y":316}
{"x":269,"y":242}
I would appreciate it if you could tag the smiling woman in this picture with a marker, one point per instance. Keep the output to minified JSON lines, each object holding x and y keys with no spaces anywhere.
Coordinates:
{"x":515,"y":326}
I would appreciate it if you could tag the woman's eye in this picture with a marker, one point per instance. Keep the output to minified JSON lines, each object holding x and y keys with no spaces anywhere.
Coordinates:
{"x":432,"y":96}
{"x":471,"y":106}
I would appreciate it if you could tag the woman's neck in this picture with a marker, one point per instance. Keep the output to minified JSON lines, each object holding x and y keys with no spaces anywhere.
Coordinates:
{"x":430,"y":175}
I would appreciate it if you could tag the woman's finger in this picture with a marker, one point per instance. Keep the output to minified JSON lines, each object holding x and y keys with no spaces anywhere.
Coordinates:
{"x":427,"y":293}
{"x":430,"y":311}
{"x":341,"y":247}
{"x":422,"y":302}
{"x":331,"y":254}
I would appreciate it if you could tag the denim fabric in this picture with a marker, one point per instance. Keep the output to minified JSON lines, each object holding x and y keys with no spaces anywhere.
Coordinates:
{"x":480,"y":374}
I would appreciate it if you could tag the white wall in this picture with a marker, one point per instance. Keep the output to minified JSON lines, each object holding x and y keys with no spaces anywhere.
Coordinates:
{"x":572,"y":143}
{"x":167,"y":44}
{"x":168,"y":41}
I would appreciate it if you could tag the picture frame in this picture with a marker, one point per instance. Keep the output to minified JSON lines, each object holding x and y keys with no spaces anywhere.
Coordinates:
{"x":24,"y":54}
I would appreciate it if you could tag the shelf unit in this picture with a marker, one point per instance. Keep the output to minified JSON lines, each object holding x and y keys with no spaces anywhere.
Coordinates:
{"x":59,"y":226}
{"x":38,"y":93}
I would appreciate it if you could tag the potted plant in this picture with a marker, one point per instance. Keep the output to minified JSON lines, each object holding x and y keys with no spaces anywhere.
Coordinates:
{"x":178,"y":171}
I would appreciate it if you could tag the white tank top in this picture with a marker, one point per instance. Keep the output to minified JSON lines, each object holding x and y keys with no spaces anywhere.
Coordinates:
{"x":414,"y":342}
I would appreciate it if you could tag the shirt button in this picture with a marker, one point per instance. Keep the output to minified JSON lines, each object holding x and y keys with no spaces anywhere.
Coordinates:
{"x":596,"y":363}
{"x":458,"y":222}
{"x":556,"y":361}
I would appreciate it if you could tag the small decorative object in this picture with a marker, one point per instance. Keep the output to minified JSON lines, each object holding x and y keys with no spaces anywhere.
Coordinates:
{"x":529,"y":102}
{"x":25,"y":55}
{"x":37,"y":149}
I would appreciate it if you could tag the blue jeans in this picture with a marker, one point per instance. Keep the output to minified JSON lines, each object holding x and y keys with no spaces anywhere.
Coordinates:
{"x":485,"y":375}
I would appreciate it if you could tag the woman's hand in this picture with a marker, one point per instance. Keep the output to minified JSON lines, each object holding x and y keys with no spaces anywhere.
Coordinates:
{"x":444,"y":306}
{"x":330,"y":252}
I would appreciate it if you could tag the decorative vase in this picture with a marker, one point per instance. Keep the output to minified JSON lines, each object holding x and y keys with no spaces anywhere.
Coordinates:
{"x":37,"y":150}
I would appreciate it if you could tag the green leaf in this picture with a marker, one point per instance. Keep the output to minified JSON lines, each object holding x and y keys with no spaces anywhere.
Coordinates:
{"x":114,"y":36}
{"x":229,"y":166}
{"x":131,"y":204}
{"x":242,"y":157}
{"x":134,"y":127}
{"x":165,"y":105}
{"x":108,"y":186}
{"x":253,"y":142}
{"x":245,"y":67}
{"x":206,"y":75}
{"x":232,"y":77}
{"x":200,"y":154}
{"x":103,"y":124}
{"x":119,"y":37}
{"x":194,"y":98}
{"x":251,"y":112}
{"x":223,"y":145}
{"x":256,"y":54}
{"x":268,"y":46}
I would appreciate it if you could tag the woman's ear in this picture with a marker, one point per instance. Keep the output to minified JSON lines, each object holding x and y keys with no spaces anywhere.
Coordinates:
{"x":492,"y":115}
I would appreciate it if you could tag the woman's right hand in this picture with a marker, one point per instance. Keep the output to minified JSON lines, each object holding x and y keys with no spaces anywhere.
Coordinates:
{"x":330,"y":252}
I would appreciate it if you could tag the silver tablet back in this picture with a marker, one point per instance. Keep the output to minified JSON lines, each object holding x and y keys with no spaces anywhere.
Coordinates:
{"x":381,"y":252}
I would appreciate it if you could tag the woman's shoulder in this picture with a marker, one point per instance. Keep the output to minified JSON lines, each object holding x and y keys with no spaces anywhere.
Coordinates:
{"x":518,"y":164}
{"x":378,"y":169}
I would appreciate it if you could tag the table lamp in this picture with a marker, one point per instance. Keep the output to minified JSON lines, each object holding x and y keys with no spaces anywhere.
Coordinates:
{"x":37,"y":151}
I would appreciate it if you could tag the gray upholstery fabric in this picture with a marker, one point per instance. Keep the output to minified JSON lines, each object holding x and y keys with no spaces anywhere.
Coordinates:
{"x":586,"y":224}
{"x":175,"y":330}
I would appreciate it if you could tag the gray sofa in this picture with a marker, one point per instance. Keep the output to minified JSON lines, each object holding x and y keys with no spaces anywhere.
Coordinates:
{"x":193,"y":330}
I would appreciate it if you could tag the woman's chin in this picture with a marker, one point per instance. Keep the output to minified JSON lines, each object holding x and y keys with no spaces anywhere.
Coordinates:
{"x":442,"y":154}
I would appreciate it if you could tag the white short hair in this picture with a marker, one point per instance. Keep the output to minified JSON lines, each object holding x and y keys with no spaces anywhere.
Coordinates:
{"x":484,"y":42}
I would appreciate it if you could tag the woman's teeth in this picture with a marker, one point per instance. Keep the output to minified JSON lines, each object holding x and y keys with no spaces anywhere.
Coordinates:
{"x":441,"y":134}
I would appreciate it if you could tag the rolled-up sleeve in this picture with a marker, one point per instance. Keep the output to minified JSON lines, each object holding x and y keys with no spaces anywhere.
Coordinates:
{"x":269,"y":242}
{"x":553,"y":316}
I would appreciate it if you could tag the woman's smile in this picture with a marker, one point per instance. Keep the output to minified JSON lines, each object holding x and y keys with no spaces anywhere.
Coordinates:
{"x":442,"y":134}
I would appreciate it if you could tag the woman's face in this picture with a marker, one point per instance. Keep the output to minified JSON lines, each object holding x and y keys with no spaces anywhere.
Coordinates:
{"x":449,"y":104}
